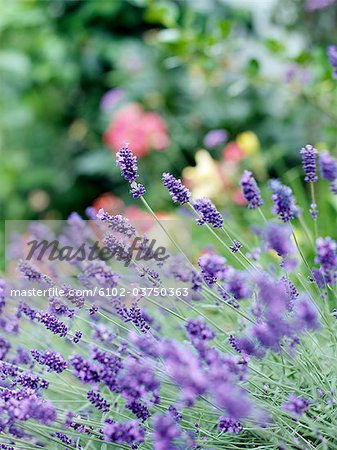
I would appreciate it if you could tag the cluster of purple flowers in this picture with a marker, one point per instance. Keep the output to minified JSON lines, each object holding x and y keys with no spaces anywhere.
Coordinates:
{"x":326,"y":257}
{"x":207,"y":213}
{"x":296,"y":406}
{"x":127,"y":162}
{"x":51,"y":322}
{"x":118,"y":223}
{"x":98,"y":401}
{"x":178,"y":192}
{"x":169,"y":379}
{"x":251,"y":190}
{"x":328,"y":169}
{"x":309,"y":154}
{"x":53,"y":360}
{"x":284,"y":201}
{"x":124,"y":433}
{"x":228,"y":425}
{"x":213,"y":268}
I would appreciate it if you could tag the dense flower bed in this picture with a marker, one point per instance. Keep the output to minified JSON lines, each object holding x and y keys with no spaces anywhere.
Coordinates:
{"x":245,"y":360}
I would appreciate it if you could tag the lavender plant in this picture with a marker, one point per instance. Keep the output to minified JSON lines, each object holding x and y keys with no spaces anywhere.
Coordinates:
{"x":234,"y":350}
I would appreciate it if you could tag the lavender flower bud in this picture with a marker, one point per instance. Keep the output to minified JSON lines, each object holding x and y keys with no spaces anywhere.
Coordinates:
{"x":296,"y":405}
{"x":53,"y":360}
{"x":284,"y":201}
{"x":197,"y":329}
{"x":309,"y":163}
{"x":251,"y":190}
{"x":124,"y":433}
{"x":278,"y":237}
{"x":98,"y":401}
{"x":208,"y":213}
{"x":178,"y":192}
{"x":213,"y":267}
{"x":165,"y":431}
{"x":127,"y":162}
{"x":235,"y":247}
{"x":326,"y":256}
{"x":328,"y":168}
{"x":137,"y":190}
{"x":228,"y":425}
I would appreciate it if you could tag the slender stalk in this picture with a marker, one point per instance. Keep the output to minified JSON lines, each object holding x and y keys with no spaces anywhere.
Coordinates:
{"x":313,"y":198}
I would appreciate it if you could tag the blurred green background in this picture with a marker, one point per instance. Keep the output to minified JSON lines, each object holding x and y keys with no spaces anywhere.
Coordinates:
{"x":80,"y":77}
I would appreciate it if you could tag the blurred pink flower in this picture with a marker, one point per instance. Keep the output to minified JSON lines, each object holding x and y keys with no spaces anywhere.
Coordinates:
{"x":233,"y":152}
{"x":144,"y":131}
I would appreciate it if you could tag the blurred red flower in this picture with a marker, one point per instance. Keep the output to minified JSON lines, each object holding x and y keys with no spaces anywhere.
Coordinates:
{"x":233,"y":152}
{"x":144,"y":131}
{"x":109,"y":202}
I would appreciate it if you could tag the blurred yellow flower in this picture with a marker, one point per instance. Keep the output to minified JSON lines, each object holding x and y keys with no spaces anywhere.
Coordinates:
{"x":248,"y":142}
{"x":204,"y":180}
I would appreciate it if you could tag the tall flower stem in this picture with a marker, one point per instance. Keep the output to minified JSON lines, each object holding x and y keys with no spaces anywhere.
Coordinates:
{"x":222,"y":242}
{"x":313,"y":199}
{"x":187,"y":259}
{"x":299,"y":249}
{"x":262,"y":215}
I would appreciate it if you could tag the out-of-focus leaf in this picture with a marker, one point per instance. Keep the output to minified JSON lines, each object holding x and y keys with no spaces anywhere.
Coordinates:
{"x":225,"y":27}
{"x":274,"y":45}
{"x":162,"y":11}
{"x":253,"y":67}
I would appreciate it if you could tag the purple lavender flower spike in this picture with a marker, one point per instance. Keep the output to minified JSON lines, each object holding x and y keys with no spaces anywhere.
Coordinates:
{"x":53,"y":360}
{"x":98,"y":401}
{"x":117,"y":223}
{"x":228,"y":425}
{"x":137,"y":190}
{"x":296,"y":406}
{"x":278,"y":237}
{"x":251,"y":190}
{"x":197,"y":329}
{"x":328,"y":169}
{"x":328,"y":166}
{"x":284,"y":201}
{"x":124,"y":433}
{"x":4,"y":348}
{"x":184,"y":367}
{"x":175,"y":413}
{"x":326,"y":256}
{"x":235,"y":247}
{"x":291,"y":290}
{"x":213,"y":268}
{"x":64,"y":438}
{"x":208,"y":213}
{"x":237,"y":285}
{"x":127,"y":162}
{"x":309,"y":155}
{"x":178,"y":192}
{"x":29,"y":271}
{"x":306,"y":316}
{"x":77,"y":336}
{"x":165,"y":431}
{"x":332,"y":55}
